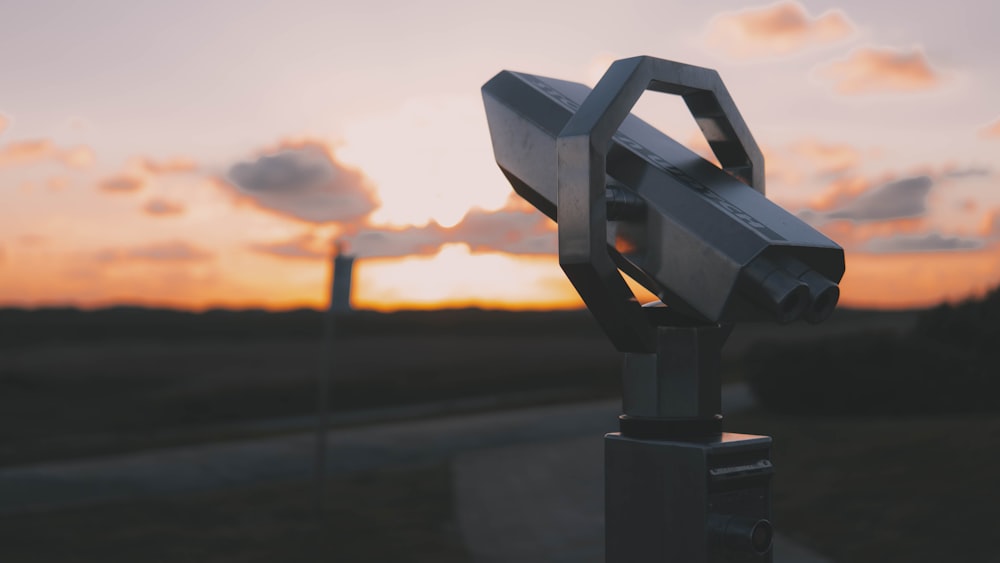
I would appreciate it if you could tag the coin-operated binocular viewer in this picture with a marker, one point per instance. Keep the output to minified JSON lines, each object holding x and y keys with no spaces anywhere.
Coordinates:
{"x":706,"y":241}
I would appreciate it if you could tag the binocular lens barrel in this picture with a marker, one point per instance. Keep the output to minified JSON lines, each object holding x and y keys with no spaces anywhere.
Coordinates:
{"x":776,"y":290}
{"x":823,"y":295}
{"x":790,"y":290}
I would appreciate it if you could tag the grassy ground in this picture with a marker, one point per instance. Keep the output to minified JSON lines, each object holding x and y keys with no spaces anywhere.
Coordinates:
{"x":915,"y":489}
{"x":401,"y":515}
{"x":75,"y":384}
{"x":66,"y":400}
{"x":859,"y":490}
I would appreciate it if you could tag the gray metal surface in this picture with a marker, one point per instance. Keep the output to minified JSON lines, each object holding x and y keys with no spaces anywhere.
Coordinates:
{"x":680,"y":379}
{"x":544,"y":503}
{"x":707,"y":242}
{"x":702,"y":238}
{"x":687,"y":502}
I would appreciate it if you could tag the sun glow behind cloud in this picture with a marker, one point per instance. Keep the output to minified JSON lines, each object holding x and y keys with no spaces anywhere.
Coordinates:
{"x":456,"y":277}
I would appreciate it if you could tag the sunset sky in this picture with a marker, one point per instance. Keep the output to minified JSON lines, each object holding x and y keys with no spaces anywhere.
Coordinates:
{"x":204,"y":154}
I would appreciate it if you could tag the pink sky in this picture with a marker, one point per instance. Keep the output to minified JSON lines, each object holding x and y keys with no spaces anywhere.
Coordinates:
{"x":197,"y":155}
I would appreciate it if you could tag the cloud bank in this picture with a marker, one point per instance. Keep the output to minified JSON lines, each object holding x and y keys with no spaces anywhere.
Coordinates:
{"x":121,"y":184}
{"x":901,"y":199}
{"x":879,"y":70}
{"x":38,"y":150}
{"x":929,"y":242}
{"x":509,"y":230}
{"x":778,"y":29}
{"x":305,"y":182}
{"x":894,"y":218}
{"x":161,"y":207}
{"x":175,"y":165}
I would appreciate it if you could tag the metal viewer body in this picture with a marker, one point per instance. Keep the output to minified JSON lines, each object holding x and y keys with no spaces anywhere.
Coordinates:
{"x":628,"y":198}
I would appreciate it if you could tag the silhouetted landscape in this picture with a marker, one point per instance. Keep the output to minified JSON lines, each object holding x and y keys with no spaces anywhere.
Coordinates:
{"x":946,"y":362}
{"x":877,"y":419}
{"x":123,"y":378}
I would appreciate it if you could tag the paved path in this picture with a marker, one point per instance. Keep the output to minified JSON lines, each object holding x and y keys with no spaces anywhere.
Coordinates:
{"x":544,"y":502}
{"x":528,"y":481}
{"x":214,"y":466}
{"x":217,"y":465}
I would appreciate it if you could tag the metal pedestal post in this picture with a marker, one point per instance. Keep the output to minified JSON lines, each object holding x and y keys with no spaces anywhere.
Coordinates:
{"x":677,"y":488}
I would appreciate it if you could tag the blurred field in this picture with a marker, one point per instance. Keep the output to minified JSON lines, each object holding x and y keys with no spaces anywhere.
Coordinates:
{"x":67,"y":400}
{"x":857,"y":489}
{"x":80,"y":384}
{"x":402,"y":514}
{"x":76,"y":383}
{"x":890,"y":488}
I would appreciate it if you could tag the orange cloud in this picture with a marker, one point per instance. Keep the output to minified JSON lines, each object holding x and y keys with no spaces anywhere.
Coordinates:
{"x":168,"y":166}
{"x":778,"y":29}
{"x":23,"y":152}
{"x":991,"y":131}
{"x":37,"y":150}
{"x":161,"y":207}
{"x":122,"y":183}
{"x":872,"y":70}
{"x":170,"y":251}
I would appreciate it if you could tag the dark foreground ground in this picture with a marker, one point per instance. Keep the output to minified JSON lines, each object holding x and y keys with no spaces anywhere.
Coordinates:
{"x":78,"y":384}
{"x":854,"y":488}
{"x":400,"y":514}
{"x":858,"y":490}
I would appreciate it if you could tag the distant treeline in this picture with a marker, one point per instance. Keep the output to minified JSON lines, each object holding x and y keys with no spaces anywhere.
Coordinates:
{"x":948,"y":362}
{"x":20,"y":327}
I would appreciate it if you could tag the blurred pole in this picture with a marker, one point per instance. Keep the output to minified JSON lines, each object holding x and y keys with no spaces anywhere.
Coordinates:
{"x":341,"y":271}
{"x":323,"y":391}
